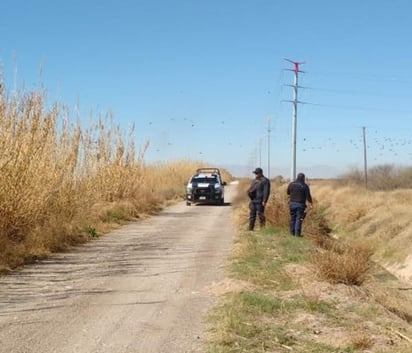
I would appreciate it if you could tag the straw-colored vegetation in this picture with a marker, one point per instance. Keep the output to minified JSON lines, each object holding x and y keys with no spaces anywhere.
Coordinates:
{"x":62,"y":183}
{"x":380,"y":178}
{"x":313,"y":294}
{"x":383,"y":219}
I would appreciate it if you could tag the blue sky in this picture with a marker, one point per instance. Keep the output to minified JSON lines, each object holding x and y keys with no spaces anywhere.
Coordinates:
{"x":200,"y":79}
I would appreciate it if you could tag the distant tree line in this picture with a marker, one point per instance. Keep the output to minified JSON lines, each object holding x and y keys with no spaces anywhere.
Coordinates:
{"x":380,"y":178}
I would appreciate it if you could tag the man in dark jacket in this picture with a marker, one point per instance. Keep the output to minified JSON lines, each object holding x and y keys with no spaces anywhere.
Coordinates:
{"x":258,"y":193}
{"x":299,"y":193}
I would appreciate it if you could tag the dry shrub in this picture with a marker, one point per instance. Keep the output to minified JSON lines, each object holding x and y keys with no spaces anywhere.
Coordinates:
{"x":343,"y":263}
{"x":241,"y":197}
{"x":361,"y":340}
{"x":382,"y":177}
{"x":316,"y":228}
{"x":321,"y":241}
{"x":277,"y":210}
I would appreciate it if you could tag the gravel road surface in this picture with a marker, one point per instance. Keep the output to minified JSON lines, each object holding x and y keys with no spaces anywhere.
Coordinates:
{"x":142,"y":288}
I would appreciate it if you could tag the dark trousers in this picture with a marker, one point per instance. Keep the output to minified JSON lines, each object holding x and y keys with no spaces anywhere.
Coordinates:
{"x":296,"y":210}
{"x":256,"y":210}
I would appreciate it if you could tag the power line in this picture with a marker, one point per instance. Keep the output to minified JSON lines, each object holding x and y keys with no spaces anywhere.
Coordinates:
{"x":343,"y":91}
{"x":365,"y":76}
{"x":359,"y":108}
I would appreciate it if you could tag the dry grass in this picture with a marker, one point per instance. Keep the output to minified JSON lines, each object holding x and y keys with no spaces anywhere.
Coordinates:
{"x":343,"y":263}
{"x":62,"y":183}
{"x":319,"y":293}
{"x":361,"y":339}
{"x":382,"y":218}
{"x":277,"y":210}
{"x":392,"y":298}
{"x":384,"y":177}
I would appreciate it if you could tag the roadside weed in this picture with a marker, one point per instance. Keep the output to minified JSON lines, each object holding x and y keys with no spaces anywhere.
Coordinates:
{"x":91,"y":232}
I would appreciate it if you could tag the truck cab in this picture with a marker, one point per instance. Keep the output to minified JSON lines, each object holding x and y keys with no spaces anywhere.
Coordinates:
{"x":205,"y":186}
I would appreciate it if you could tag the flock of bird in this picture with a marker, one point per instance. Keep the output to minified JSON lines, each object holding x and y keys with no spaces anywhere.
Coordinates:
{"x":376,"y":147}
{"x":183,"y":124}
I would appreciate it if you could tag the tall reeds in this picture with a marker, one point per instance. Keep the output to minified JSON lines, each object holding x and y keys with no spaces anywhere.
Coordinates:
{"x":59,"y":180}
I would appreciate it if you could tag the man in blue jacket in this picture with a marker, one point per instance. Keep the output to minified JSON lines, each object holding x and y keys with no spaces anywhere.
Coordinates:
{"x":258,"y":193}
{"x":299,"y":193}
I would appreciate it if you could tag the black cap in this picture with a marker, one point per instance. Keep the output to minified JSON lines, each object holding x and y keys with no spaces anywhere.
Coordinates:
{"x":258,"y":171}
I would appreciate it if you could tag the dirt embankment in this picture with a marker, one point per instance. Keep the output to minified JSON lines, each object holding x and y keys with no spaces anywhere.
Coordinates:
{"x":383,"y":219}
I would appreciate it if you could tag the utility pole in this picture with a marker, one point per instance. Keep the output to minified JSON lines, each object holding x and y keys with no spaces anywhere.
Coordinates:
{"x":365,"y":164}
{"x":268,"y":174}
{"x":295,"y":102}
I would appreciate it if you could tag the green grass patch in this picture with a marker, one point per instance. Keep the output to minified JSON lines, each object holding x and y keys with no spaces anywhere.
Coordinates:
{"x":260,"y":257}
{"x":249,"y":324}
{"x":292,"y":249}
{"x":91,"y":231}
{"x":255,"y":322}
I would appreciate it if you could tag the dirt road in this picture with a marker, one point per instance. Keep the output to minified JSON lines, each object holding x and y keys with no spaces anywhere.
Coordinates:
{"x":140,"y":289}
